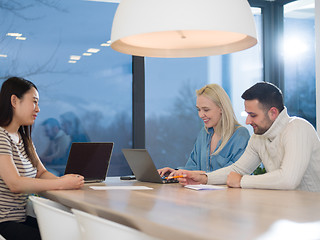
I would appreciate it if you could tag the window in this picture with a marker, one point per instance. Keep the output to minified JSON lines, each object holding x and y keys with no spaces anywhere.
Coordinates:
{"x":299,"y":60}
{"x":83,"y":84}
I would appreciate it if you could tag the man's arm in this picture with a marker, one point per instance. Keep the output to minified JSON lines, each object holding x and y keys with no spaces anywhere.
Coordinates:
{"x":192,"y":177}
{"x":297,"y":142}
{"x":234,"y":180}
{"x":246,"y":164}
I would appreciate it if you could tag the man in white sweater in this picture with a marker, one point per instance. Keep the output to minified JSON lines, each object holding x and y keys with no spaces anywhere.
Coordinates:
{"x":288,"y":147}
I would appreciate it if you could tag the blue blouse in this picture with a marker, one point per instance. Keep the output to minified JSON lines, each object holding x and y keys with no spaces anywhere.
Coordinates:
{"x":201,"y":159}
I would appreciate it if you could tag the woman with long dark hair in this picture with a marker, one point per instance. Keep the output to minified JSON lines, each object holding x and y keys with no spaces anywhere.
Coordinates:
{"x":21,"y":171}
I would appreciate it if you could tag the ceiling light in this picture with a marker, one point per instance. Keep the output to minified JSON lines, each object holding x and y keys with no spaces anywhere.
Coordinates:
{"x":182,"y":28}
{"x":14,"y":34}
{"x":93,"y":50}
{"x":75,"y":57}
{"x":86,"y":54}
{"x":3,"y":55}
{"x":21,"y":38}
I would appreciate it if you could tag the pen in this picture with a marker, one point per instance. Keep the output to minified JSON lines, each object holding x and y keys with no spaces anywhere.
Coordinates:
{"x":179,"y":176}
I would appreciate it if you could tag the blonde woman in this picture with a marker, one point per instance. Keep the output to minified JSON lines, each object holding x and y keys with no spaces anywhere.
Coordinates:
{"x":222,"y":140}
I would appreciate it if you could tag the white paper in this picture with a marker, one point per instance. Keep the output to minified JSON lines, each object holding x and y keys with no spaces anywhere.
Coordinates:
{"x":205,"y":187}
{"x":120,"y":188}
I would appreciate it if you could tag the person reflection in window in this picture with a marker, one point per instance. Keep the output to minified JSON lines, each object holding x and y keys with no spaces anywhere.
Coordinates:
{"x":56,"y":152}
{"x":222,"y":140}
{"x":70,"y":123}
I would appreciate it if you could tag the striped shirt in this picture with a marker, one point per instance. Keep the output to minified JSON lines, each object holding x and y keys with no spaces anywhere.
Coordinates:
{"x":13,"y":205}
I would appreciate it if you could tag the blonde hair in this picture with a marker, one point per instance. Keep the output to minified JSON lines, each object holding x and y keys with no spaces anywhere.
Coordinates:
{"x":228,"y":122}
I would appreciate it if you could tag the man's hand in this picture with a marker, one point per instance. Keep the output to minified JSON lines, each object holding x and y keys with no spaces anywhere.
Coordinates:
{"x":192,"y":177}
{"x":234,"y":180}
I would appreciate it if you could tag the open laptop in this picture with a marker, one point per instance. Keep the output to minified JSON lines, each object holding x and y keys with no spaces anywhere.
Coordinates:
{"x":143,"y":167}
{"x":90,"y":160}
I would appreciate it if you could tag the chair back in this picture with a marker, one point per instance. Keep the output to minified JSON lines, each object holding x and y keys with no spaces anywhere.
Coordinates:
{"x":97,"y":228}
{"x":55,"y":220}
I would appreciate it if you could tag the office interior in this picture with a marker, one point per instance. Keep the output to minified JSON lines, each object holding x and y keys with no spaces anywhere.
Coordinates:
{"x":144,"y":102}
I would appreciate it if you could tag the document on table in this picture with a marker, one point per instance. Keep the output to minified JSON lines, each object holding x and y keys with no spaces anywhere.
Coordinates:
{"x":205,"y":187}
{"x":120,"y":188}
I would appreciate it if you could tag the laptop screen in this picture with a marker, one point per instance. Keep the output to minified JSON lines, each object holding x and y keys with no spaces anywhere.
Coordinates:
{"x":90,"y":160}
{"x":142,"y":165}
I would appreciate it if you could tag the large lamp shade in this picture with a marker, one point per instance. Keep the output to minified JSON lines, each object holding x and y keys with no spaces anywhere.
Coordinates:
{"x":182,"y":28}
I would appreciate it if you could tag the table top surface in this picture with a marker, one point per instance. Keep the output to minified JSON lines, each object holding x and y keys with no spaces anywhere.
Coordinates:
{"x":170,"y":210}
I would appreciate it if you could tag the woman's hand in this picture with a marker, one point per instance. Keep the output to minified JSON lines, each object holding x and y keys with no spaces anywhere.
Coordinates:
{"x":165,"y":171}
{"x":72,"y":181}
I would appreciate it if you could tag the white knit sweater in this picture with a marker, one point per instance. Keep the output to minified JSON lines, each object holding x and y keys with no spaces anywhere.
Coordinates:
{"x":290,"y":152}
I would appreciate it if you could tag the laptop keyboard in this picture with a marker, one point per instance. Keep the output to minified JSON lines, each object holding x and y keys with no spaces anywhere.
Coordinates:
{"x":172,"y":180}
{"x":93,"y":180}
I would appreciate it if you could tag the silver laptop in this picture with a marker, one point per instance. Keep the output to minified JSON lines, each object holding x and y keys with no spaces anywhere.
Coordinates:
{"x":90,"y":160}
{"x":143,"y":167}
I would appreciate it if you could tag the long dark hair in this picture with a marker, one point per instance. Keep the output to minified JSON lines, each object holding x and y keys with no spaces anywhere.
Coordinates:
{"x":17,"y":86}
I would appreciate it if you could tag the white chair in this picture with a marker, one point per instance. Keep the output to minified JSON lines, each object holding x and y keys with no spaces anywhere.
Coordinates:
{"x":30,"y":210}
{"x":97,"y":228}
{"x":56,"y":222}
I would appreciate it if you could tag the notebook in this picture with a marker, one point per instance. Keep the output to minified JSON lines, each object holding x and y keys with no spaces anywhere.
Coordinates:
{"x":143,"y":167}
{"x":90,"y":160}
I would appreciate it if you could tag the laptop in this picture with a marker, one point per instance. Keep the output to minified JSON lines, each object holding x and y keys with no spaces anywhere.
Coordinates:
{"x":143,"y":167}
{"x":91,"y":160}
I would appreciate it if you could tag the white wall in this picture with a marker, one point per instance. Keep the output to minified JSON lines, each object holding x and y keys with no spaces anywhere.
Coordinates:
{"x":317,"y":29}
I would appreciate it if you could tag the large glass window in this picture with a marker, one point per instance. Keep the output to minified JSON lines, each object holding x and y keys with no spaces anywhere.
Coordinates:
{"x":172,"y":122}
{"x":299,"y":59}
{"x":85,"y":87}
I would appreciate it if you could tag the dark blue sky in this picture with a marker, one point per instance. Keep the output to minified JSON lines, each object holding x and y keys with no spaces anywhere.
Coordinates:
{"x":99,"y":82}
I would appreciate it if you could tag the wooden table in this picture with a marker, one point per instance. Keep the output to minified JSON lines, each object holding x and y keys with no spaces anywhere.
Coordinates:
{"x":170,"y":211}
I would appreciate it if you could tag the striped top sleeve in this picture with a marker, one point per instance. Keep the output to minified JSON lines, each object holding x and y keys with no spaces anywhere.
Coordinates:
{"x":12,"y":205}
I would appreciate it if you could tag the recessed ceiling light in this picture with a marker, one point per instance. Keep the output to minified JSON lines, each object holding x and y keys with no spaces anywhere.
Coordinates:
{"x":71,"y":61}
{"x":87,"y":54}
{"x":93,"y":50}
{"x":3,"y":55}
{"x":105,"y":44}
{"x":21,"y":38}
{"x":14,"y":34}
{"x":75,"y":57}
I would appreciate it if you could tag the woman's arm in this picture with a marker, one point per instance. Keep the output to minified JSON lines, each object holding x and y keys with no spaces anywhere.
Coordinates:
{"x":43,"y":182}
{"x":42,"y":172}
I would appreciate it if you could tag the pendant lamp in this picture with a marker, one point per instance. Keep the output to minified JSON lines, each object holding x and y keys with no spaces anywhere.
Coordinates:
{"x":182,"y":28}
